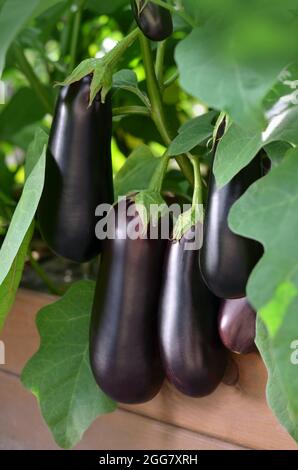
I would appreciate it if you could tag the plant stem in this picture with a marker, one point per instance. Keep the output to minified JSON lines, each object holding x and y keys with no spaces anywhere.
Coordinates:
{"x":159,"y":174}
{"x":159,"y":65}
{"x":198,"y":186}
{"x":171,"y":80}
{"x":157,"y":106}
{"x":76,"y":33}
{"x":172,"y":9}
{"x":117,"y":52}
{"x":32,"y":78}
{"x":43,"y":276}
{"x":140,"y":110}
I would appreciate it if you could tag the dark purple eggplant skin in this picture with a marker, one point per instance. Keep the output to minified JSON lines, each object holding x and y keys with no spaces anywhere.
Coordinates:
{"x":154,"y":21}
{"x":193,"y":355}
{"x":237,"y":326}
{"x":78,"y":173}
{"x":227,"y":259}
{"x":124,"y":350}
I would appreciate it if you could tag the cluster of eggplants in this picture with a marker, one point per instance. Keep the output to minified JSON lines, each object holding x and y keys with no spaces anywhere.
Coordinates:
{"x":78,"y":174}
{"x":149,"y":318}
{"x":154,"y":21}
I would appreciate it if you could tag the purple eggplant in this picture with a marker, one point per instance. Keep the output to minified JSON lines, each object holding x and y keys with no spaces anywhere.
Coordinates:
{"x":237,"y":326}
{"x":193,"y":355}
{"x":124,"y":350}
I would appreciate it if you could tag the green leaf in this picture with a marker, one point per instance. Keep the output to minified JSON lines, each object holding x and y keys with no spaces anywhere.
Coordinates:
{"x":27,"y":205}
{"x":224,"y":81}
{"x":44,"y":5}
{"x":276,"y":151}
{"x":102,"y":69}
{"x":101,"y":80}
{"x":136,"y":173}
{"x":267,"y":212}
{"x":192,"y":134}
{"x":59,"y":374}
{"x":276,"y":394}
{"x":13,"y":16}
{"x":125,"y":78}
{"x":239,"y":146}
{"x":9,"y":286}
{"x":105,"y":8}
{"x":23,"y":109}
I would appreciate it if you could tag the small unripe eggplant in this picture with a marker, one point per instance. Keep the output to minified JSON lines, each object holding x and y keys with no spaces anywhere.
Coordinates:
{"x":153,"y":20}
{"x":227,"y":259}
{"x":78,"y":173}
{"x":237,"y":326}
{"x":193,"y":355}
{"x":124,"y":350}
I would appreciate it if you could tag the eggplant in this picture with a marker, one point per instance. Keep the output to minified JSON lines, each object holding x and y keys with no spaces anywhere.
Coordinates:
{"x":227,"y":259}
{"x":78,"y":174}
{"x":193,"y":355}
{"x":154,"y":21}
{"x":124,"y":350}
{"x":237,"y":326}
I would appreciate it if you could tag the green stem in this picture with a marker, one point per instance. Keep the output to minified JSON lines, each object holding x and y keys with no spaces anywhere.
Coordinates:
{"x":180,"y":13}
{"x":117,"y":52}
{"x":198,"y":186}
{"x":76,"y":33}
{"x":158,"y":176}
{"x":157,"y":106}
{"x":124,"y":110}
{"x":43,"y":276}
{"x":32,"y":78}
{"x":171,"y":80}
{"x":159,"y":65}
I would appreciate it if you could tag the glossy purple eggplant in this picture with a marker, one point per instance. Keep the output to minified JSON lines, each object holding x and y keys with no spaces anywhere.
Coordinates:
{"x":227,"y":259}
{"x":124,"y":350}
{"x":237,"y":326}
{"x":78,"y":173}
{"x":153,"y":20}
{"x":193,"y":355}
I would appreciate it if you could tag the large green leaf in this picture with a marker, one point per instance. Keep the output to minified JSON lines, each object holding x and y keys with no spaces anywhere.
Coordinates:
{"x":13,"y":16}
{"x":268,"y":213}
{"x":232,"y":60}
{"x":9,"y":286}
{"x":238,"y":146}
{"x":192,"y":133}
{"x":27,"y":205}
{"x":276,"y":396}
{"x":136,"y":173}
{"x":224,"y":83}
{"x":44,"y":5}
{"x":59,"y":374}
{"x":23,"y":109}
{"x":105,"y":8}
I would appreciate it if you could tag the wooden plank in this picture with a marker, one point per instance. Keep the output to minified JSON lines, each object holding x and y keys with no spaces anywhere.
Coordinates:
{"x":119,"y":430}
{"x":236,"y":414}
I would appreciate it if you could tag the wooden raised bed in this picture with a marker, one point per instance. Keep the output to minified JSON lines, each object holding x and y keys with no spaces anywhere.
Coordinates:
{"x":234,"y":417}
